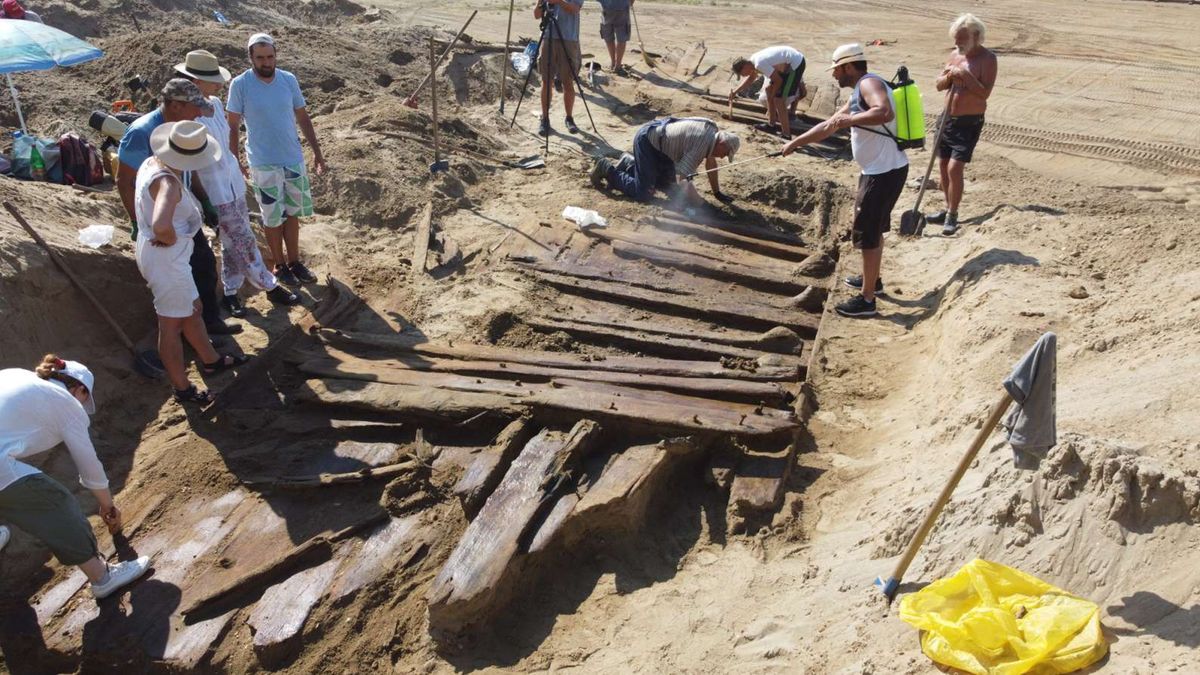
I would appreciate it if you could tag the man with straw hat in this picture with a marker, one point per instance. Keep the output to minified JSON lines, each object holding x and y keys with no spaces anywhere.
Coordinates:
{"x":269,"y":100}
{"x":181,"y":100}
{"x":168,"y":217}
{"x":226,"y":187}
{"x":870,"y":116}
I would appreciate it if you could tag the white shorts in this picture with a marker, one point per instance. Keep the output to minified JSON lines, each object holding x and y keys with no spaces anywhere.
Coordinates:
{"x":168,"y":272}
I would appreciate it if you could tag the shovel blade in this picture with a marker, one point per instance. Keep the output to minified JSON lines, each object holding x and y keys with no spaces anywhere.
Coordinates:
{"x":912,"y":223}
{"x":531,"y":162}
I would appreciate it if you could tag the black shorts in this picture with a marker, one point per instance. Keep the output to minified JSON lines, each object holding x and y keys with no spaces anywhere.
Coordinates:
{"x":960,"y":136}
{"x":873,"y":206}
{"x":790,"y":81}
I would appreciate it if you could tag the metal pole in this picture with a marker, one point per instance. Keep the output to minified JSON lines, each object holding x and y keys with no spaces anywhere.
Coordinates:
{"x":504,"y":63}
{"x":437,"y":151}
{"x":16,"y":102}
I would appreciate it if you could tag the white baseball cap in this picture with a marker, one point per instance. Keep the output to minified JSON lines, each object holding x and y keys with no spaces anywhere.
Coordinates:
{"x":260,"y":39}
{"x":80,"y":372}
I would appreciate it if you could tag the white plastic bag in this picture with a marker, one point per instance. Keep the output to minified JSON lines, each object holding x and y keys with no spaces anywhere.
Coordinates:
{"x":520,"y":63}
{"x":95,"y":236}
{"x":584,"y":217}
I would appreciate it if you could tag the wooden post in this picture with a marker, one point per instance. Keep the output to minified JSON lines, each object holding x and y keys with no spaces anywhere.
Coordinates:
{"x":504,"y":63}
{"x":437,"y":151}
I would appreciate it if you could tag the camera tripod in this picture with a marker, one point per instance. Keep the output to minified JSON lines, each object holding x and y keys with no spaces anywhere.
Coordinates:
{"x":550,"y":21}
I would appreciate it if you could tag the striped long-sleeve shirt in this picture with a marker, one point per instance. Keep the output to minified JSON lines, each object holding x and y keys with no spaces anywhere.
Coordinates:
{"x":687,"y":142}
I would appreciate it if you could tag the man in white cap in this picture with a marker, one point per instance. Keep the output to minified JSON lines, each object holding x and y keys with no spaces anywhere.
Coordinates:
{"x":270,"y":101}
{"x":870,"y":115}
{"x":181,"y":101}
{"x":783,"y":69}
{"x":667,"y":151}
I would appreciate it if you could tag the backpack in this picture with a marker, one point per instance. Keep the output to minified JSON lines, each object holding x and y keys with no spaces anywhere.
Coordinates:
{"x":82,"y":163}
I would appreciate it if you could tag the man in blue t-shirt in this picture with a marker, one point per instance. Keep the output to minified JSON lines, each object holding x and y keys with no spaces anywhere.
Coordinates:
{"x":559,"y":56}
{"x":270,"y":102}
{"x":181,"y":100}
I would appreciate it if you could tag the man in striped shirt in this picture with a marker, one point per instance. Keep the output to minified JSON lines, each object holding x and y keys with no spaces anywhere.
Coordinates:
{"x":667,"y":151}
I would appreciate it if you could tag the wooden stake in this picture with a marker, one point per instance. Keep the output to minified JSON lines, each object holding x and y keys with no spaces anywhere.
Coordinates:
{"x":411,"y":101}
{"x":504,"y":66}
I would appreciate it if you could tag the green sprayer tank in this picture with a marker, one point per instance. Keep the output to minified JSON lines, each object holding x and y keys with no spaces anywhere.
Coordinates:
{"x":910,"y":114}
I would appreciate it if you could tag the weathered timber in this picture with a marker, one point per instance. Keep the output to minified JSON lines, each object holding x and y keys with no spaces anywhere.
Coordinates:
{"x":777,"y":280}
{"x":778,"y":340}
{"x":642,"y":407}
{"x":759,"y":482}
{"x":590,"y":284}
{"x":279,"y":616}
{"x":381,"y":553}
{"x":397,"y":345}
{"x":484,"y":474}
{"x":242,"y":589}
{"x":615,"y":502}
{"x":325,"y":479}
{"x":678,"y":242}
{"x":460,"y":373}
{"x":791,"y":251}
{"x":656,"y":343}
{"x":689,"y":63}
{"x":742,"y":229}
{"x":421,"y":236}
{"x":413,"y":402}
{"x":480,"y":573}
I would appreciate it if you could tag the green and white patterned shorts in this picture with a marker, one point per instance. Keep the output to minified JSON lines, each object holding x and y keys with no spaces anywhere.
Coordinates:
{"x":282,"y":192}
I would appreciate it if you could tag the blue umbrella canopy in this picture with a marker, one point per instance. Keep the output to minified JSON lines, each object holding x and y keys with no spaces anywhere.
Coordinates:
{"x":28,"y":45}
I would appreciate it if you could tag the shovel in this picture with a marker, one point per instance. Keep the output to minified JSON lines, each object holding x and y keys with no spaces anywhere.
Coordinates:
{"x":912,"y":223}
{"x":146,"y":363}
{"x":641,"y":45}
{"x":530,"y":162}
{"x":439,"y":164}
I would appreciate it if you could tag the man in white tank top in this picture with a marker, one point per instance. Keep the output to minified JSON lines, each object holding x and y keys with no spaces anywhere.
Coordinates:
{"x":870,"y":115}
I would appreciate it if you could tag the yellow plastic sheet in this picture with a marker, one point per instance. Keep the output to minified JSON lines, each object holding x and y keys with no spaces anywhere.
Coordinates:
{"x":990,"y":619}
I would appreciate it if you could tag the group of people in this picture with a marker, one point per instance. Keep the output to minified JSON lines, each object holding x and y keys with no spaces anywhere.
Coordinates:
{"x":181,"y":167}
{"x":667,"y":151}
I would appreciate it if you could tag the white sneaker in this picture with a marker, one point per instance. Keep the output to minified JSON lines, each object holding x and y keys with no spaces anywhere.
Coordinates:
{"x":120,"y":575}
{"x":5,"y":534}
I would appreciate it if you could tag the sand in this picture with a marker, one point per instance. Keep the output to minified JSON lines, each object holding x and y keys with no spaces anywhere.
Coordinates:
{"x":1089,"y":176}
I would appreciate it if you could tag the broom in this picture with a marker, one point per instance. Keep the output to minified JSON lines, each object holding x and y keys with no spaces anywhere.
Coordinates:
{"x":641,"y":45}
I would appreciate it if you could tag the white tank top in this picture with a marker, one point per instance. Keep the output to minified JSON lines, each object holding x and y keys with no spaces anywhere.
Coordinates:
{"x":874,"y":147}
{"x":187,"y":219}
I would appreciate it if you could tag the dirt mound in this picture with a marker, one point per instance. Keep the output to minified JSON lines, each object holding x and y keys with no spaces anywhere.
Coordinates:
{"x":99,"y":18}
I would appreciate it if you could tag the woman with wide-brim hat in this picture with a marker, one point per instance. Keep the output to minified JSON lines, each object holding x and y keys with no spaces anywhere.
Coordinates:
{"x":241,"y":260}
{"x":40,"y":409}
{"x":168,"y":217}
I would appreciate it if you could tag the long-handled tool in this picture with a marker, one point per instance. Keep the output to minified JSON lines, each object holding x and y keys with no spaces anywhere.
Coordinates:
{"x":504,"y":65}
{"x":650,"y":62}
{"x":912,"y":223}
{"x":803,"y":148}
{"x":146,"y":362}
{"x":439,"y":164}
{"x":890,"y":585}
{"x":411,"y":101}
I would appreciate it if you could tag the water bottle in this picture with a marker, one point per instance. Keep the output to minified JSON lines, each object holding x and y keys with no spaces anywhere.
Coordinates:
{"x":220,"y":18}
{"x":37,"y":166}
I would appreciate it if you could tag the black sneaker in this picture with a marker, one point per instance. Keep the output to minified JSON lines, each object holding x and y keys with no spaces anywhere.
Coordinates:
{"x":302,"y":273}
{"x":282,"y":296}
{"x":599,"y":174}
{"x":570,"y":122}
{"x":856,"y":306}
{"x":855,"y":282}
{"x":285,"y":276}
{"x":936,"y":218}
{"x":951,"y":226}
{"x":233,"y":305}
{"x":222,"y":328}
{"x":544,"y":127}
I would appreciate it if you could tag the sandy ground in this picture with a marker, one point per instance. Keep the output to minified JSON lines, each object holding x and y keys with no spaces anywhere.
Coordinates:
{"x":1090,"y":178}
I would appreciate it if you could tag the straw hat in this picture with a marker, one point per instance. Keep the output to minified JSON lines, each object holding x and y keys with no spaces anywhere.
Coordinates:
{"x":848,"y":54}
{"x":185,"y":146}
{"x":202,"y":65}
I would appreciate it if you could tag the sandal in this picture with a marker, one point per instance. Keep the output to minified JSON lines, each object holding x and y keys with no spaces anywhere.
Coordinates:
{"x":194,"y":395}
{"x":226,"y":362}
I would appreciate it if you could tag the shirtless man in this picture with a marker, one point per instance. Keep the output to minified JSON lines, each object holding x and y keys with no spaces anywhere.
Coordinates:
{"x":971,"y":72}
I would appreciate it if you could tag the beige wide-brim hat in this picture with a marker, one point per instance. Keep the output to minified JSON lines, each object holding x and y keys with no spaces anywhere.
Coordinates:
{"x":202,"y":65}
{"x":848,"y":54}
{"x":185,"y":146}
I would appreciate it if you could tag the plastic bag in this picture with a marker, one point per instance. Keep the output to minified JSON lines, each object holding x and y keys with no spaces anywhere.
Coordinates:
{"x":584,"y":217}
{"x":994,"y":620}
{"x":23,"y":149}
{"x":95,"y":236}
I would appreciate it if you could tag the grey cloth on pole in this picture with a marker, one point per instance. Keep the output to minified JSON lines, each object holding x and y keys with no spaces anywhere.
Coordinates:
{"x":1031,"y":422}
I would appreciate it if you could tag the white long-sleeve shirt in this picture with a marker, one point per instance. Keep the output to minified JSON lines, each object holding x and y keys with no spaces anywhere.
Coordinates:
{"x":35,"y":416}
